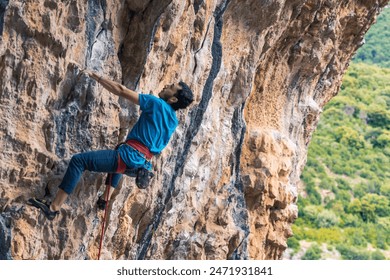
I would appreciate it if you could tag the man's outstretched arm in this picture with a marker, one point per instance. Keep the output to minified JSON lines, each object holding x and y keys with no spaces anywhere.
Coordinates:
{"x":114,"y":87}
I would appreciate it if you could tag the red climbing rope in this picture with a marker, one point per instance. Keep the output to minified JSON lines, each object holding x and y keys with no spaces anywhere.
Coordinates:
{"x":105,"y":214}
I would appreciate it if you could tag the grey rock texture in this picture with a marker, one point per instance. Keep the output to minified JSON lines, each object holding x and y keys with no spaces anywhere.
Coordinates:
{"x":226,"y":186}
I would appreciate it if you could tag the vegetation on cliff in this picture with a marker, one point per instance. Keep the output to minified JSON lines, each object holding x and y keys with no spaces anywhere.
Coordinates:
{"x":344,"y":209}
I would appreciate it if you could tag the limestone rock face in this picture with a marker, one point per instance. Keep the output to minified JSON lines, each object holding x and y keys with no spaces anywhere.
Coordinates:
{"x":226,"y":185}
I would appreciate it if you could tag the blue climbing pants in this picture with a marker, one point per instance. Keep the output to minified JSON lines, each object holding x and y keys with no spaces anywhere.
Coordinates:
{"x":102,"y":161}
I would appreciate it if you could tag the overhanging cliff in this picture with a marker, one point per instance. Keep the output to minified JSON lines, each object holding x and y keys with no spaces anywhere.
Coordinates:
{"x":226,"y":186}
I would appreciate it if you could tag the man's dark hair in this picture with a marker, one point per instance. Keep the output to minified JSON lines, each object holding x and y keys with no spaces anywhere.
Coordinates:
{"x":184,"y":97}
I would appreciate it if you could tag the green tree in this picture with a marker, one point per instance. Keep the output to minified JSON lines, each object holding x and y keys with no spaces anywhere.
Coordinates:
{"x":293,"y":243}
{"x":385,"y":189}
{"x":383,"y":140}
{"x":349,"y":137}
{"x":367,"y":211}
{"x":327,"y":219}
{"x":379,"y":203}
{"x":313,"y":253}
{"x":355,"y":207}
{"x":377,"y":255}
{"x":379,"y":117}
{"x":350,"y":253}
{"x":350,"y":220}
{"x":310,"y":213}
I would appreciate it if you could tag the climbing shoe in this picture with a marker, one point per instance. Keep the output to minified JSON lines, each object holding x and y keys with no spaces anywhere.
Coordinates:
{"x":101,"y":203}
{"x":44,"y":206}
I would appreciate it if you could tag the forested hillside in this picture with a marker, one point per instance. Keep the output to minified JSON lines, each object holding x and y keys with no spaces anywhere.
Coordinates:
{"x":344,"y":210}
{"x":377,"y":43}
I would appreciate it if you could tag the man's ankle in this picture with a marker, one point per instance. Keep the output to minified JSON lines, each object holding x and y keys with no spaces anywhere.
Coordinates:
{"x":52,"y":208}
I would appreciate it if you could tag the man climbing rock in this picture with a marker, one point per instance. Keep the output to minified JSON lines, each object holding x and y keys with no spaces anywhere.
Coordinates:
{"x":148,"y":137}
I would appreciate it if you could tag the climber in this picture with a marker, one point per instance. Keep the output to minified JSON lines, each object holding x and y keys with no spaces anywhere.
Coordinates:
{"x":148,"y":137}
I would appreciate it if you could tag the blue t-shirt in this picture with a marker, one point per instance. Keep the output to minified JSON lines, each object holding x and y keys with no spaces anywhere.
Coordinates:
{"x":156,"y":124}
